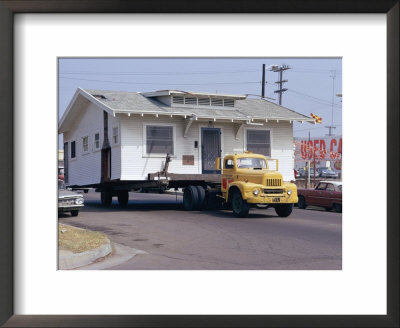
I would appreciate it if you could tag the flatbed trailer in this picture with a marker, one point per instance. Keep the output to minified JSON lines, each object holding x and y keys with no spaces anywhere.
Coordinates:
{"x":208,"y":187}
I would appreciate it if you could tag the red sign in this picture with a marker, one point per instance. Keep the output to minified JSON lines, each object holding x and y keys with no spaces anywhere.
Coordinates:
{"x":320,"y":150}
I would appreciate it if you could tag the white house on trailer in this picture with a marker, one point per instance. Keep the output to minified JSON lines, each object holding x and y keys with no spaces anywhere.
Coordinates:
{"x":124,"y":136}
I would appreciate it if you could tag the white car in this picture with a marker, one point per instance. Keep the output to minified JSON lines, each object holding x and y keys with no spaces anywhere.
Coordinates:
{"x":68,"y":200}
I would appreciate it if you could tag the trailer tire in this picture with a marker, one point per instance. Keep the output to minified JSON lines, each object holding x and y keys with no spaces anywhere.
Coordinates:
{"x":284,"y":210}
{"x":106,"y":198}
{"x":240,"y":207}
{"x":202,"y":198}
{"x":190,"y":198}
{"x":123,"y":198}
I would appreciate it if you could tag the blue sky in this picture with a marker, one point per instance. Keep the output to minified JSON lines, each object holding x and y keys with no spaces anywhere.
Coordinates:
{"x":310,"y":85}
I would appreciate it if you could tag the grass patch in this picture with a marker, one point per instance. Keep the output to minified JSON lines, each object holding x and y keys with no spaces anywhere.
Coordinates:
{"x":79,"y":240}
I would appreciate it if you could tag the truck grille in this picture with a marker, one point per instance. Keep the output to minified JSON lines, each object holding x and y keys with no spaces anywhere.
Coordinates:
{"x":273,"y":182}
{"x":273,"y":191}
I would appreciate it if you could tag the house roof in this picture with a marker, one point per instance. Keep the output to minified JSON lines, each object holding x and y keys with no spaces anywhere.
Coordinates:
{"x":120,"y":102}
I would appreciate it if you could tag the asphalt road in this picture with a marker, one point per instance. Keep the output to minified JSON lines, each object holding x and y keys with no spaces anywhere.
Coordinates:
{"x":176,"y":239}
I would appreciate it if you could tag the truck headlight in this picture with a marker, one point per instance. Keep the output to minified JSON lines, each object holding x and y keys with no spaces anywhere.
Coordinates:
{"x":79,"y":201}
{"x":289,"y":192}
{"x":255,"y":192}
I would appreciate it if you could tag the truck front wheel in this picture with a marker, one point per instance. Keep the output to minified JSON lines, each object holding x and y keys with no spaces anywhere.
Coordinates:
{"x":284,"y":210}
{"x":239,"y":206}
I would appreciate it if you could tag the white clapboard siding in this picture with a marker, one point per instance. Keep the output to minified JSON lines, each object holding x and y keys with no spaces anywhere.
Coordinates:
{"x":135,"y":164}
{"x":86,"y":167}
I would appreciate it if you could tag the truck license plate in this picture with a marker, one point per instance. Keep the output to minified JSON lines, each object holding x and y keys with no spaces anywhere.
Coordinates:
{"x":276,"y":200}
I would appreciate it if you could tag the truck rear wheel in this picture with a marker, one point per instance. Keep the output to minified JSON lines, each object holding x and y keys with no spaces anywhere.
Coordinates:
{"x":190,"y":198}
{"x":240,"y":207}
{"x":106,"y":198}
{"x":202,"y":197}
{"x":284,"y":210}
{"x":123,"y":198}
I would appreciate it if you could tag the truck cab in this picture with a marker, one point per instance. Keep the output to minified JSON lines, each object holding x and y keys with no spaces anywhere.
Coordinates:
{"x":247,"y":181}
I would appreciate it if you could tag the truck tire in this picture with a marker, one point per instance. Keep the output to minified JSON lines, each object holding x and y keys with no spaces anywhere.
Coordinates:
{"x":190,"y":198}
{"x":106,"y":198}
{"x":123,"y":198}
{"x":75,"y":213}
{"x":202,"y":198}
{"x":240,"y":208}
{"x":302,"y":203}
{"x":284,"y":210}
{"x":337,"y":208}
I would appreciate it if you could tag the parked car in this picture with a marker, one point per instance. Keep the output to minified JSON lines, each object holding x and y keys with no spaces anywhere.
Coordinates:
{"x":327,"y":194}
{"x":303,"y":173}
{"x":296,"y":173}
{"x":68,"y":200}
{"x":327,"y":172}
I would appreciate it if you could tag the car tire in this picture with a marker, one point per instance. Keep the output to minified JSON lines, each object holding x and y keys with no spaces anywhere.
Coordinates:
{"x":240,"y":208}
{"x":337,"y":208}
{"x":190,"y":198}
{"x":75,"y":213}
{"x":301,"y":203}
{"x":123,"y":198}
{"x":106,"y":198}
{"x":284,"y":210}
{"x":328,"y":209}
{"x":201,"y":198}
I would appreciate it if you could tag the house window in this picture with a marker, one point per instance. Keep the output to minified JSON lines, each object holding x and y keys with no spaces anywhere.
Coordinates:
{"x":97,"y":140}
{"x":85,"y":144}
{"x":159,"y":140}
{"x":115,"y":135}
{"x":259,"y":142}
{"x":73,"y":149}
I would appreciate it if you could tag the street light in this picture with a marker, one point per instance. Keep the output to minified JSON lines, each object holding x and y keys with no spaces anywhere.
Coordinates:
{"x":272,"y":68}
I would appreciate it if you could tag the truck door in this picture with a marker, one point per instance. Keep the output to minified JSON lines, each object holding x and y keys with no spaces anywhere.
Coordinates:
{"x":210,"y":149}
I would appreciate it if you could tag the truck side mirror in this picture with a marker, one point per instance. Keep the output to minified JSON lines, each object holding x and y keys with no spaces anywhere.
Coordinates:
{"x":218,"y":163}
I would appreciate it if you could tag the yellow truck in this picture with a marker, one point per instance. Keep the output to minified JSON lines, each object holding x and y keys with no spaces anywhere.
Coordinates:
{"x":246,"y":181}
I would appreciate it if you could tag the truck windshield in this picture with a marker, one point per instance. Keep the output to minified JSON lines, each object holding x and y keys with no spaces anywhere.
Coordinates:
{"x":251,"y":163}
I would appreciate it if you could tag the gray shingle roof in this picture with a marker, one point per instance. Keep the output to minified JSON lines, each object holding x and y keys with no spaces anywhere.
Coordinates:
{"x":134,"y":102}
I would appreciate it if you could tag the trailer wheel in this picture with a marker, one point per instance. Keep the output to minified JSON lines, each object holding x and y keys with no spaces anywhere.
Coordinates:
{"x":202,"y":197}
{"x":284,"y":210}
{"x":106,"y":198}
{"x":240,"y":207}
{"x":190,"y":198}
{"x":123,"y":198}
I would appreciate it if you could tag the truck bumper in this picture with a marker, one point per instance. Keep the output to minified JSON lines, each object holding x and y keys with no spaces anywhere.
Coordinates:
{"x":273,"y":200}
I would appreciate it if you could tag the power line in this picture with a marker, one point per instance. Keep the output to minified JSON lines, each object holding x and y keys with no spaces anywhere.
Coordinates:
{"x":319,"y":100}
{"x":155,"y":73}
{"x":150,"y":83}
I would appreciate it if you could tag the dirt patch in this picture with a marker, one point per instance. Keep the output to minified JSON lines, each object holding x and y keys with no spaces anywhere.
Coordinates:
{"x":78,"y":240}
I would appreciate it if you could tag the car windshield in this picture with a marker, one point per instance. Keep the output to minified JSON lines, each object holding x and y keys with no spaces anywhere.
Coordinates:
{"x":61,"y":184}
{"x":251,"y":163}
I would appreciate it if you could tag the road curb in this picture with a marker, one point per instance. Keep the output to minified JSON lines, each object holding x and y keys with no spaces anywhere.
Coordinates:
{"x":68,"y":260}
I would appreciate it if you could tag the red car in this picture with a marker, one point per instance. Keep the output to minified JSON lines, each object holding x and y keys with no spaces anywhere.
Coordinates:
{"x":327,"y":194}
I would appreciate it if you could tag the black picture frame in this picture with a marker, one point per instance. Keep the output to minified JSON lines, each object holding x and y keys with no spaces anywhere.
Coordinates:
{"x":10,"y":7}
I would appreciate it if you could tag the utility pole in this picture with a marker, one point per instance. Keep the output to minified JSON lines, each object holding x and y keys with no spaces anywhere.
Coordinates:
{"x":330,"y":127}
{"x":281,"y":81}
{"x":270,"y":67}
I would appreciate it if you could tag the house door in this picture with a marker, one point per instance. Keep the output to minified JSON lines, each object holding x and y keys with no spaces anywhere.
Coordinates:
{"x":210,"y":149}
{"x":66,"y":157}
{"x":105,"y":164}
